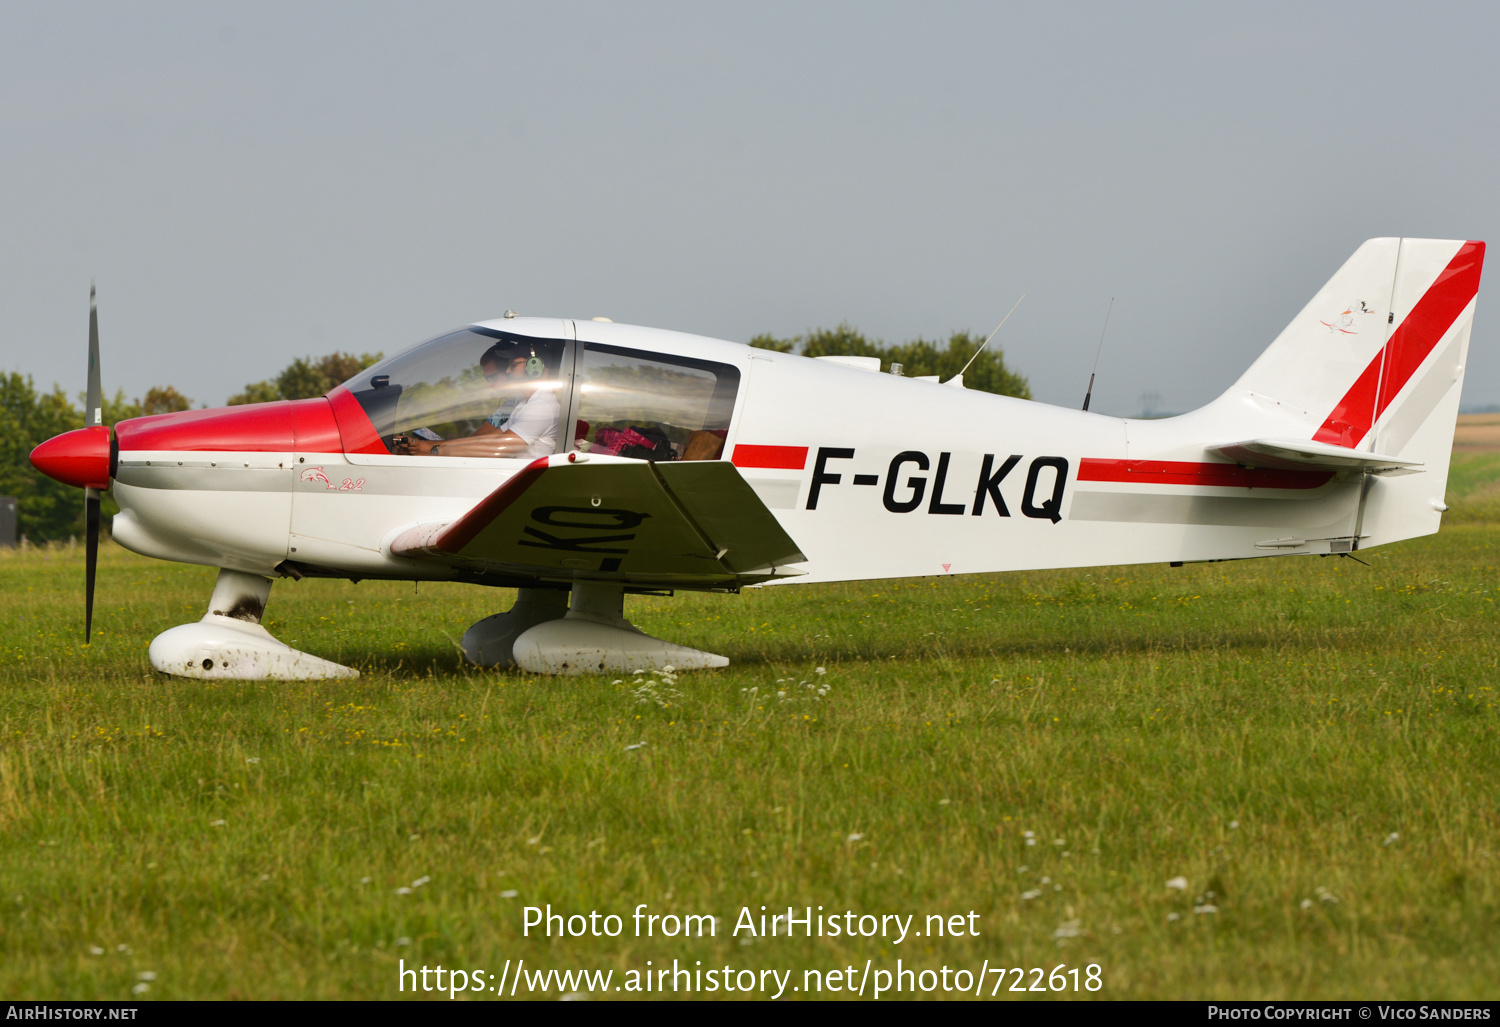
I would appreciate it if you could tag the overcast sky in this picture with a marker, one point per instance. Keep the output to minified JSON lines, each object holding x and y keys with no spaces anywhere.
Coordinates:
{"x":253,"y":182}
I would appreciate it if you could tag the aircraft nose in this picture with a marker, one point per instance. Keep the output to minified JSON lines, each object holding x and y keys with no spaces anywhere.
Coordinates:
{"x":80,"y":457}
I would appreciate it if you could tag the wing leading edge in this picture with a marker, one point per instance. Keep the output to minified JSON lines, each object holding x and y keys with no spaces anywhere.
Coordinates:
{"x":692,"y":524}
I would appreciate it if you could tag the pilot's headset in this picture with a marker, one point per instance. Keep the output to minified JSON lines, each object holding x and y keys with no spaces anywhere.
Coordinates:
{"x":535,"y":367}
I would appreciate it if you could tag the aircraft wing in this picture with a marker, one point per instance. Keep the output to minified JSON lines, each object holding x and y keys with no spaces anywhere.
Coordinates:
{"x":599,"y":518}
{"x":1303,"y":454}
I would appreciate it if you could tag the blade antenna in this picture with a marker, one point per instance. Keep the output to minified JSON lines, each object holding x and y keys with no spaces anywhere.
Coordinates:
{"x":93,"y":417}
{"x":999,"y":326}
{"x":1090,"y":393}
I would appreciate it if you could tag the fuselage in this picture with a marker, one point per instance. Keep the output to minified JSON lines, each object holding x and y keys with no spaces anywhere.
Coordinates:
{"x":873,"y":475}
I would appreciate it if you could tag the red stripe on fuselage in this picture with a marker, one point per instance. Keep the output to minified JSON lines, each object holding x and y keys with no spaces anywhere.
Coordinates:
{"x":300,"y":425}
{"x":1182,"y":472}
{"x":1409,"y":345}
{"x":781,"y":458}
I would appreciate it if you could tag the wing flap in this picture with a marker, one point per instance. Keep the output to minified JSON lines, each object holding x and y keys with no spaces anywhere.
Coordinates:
{"x":727,"y":510}
{"x":609,"y":518}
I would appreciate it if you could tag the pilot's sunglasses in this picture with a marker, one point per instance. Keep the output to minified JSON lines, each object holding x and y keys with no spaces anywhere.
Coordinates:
{"x":515,"y":365}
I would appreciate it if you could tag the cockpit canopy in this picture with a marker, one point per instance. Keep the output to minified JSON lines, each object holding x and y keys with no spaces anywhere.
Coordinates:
{"x":618,"y":400}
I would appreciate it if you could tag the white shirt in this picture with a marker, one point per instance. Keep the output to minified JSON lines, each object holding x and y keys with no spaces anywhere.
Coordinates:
{"x":534,"y":419}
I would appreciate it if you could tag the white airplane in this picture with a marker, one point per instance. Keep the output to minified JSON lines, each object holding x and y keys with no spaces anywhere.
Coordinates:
{"x":578,"y":461}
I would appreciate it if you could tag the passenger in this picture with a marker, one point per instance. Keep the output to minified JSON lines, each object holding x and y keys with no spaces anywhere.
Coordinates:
{"x":524,"y":424}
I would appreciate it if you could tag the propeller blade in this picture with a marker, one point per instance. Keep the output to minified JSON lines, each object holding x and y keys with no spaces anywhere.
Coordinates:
{"x":93,"y":414}
{"x":91,"y":557}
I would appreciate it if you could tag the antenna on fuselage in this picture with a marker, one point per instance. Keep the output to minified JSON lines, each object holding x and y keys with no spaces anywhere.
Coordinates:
{"x":1090,"y":393}
{"x":999,"y":326}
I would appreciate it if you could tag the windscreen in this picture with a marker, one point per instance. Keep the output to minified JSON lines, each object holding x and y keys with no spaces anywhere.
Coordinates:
{"x":441,"y":391}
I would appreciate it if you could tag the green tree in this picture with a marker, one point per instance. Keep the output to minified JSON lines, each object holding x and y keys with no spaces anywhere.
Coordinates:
{"x":163,"y":399}
{"x":919,"y":357}
{"x":47,"y":509}
{"x":779,"y":345}
{"x":306,"y":378}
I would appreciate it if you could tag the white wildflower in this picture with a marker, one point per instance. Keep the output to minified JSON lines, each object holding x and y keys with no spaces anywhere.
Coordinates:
{"x":1027,"y":896}
{"x":402,"y":942}
{"x":95,"y":950}
{"x":854,"y":837}
{"x":219,"y":823}
{"x":819,"y":670}
{"x":1205,"y":908}
{"x":1179,"y":883}
{"x":366,"y":880}
{"x":1069,"y":929}
{"x":509,"y":893}
{"x":146,"y":975}
{"x":1394,"y":836}
{"x":1234,"y":825}
{"x":1307,"y":903}
{"x":1173,"y":916}
{"x":632,"y":748}
{"x":252,"y":759}
{"x":141,"y":988}
{"x":420,"y":881}
{"x":403,"y":891}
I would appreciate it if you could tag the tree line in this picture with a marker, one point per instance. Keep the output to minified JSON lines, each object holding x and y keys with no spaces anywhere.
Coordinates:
{"x":918,"y":357}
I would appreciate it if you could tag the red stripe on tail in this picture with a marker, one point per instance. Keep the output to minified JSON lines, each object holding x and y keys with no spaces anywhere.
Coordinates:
{"x":1409,"y":345}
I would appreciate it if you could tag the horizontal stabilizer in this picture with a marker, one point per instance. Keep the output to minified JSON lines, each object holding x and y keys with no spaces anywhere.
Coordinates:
{"x":612,"y":519}
{"x":1302,"y":454}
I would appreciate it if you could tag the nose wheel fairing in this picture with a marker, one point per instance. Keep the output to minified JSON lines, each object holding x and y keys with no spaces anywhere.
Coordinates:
{"x":230,"y":643}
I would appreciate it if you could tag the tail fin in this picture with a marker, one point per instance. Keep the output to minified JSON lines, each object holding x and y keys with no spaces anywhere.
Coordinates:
{"x":1375,"y":364}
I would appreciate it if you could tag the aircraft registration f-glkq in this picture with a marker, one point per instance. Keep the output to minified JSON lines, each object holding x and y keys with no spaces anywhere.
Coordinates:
{"x":578,"y":461}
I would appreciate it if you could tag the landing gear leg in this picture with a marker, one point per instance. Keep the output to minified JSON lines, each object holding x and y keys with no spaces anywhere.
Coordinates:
{"x":595,"y":638}
{"x":230,"y":643}
{"x":489,"y":643}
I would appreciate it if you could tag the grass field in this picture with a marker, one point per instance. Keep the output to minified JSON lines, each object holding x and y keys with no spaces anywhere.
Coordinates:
{"x":1311,"y":744}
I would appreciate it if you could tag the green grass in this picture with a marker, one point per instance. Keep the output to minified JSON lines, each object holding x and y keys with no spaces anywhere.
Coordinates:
{"x":1311,"y":741}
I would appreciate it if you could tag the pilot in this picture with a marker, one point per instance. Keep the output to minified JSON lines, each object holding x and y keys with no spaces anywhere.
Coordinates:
{"x":524,"y":424}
